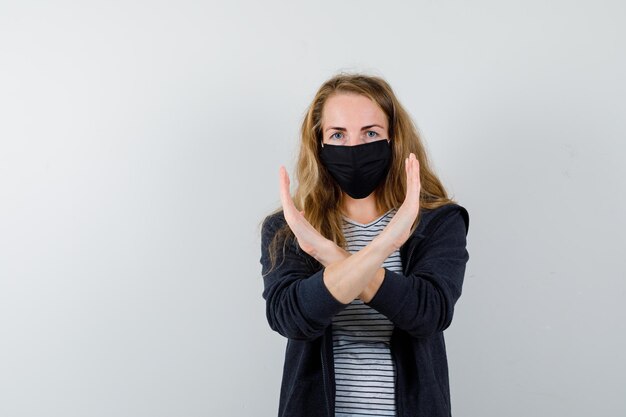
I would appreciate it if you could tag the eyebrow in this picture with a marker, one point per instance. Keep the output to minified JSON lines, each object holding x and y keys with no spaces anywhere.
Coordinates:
{"x":363,"y":128}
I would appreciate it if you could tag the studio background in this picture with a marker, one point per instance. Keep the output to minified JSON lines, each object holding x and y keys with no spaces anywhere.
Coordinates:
{"x":140,"y":143}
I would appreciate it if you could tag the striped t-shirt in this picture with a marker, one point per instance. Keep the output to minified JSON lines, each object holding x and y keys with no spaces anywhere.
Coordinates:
{"x":364,"y":369}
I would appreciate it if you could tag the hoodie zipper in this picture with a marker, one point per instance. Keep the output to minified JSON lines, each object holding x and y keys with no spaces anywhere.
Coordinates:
{"x":324,"y":375}
{"x":328,"y":334}
{"x":395,"y":378}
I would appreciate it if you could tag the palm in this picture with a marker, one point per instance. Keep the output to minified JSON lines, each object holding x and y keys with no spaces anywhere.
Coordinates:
{"x":309,"y":239}
{"x":398,"y":230}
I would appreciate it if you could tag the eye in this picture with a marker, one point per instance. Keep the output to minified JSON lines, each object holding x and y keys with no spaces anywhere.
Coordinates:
{"x":336,"y":133}
{"x":371,"y":136}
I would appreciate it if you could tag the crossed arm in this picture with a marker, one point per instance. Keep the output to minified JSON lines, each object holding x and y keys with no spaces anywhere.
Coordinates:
{"x":300,"y":304}
{"x":348,"y":276}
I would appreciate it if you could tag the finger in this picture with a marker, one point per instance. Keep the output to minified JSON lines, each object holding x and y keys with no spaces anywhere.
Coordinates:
{"x":416,"y":168}
{"x":281,"y":181}
{"x":413,"y":180}
{"x":285,"y":197}
{"x":407,"y":169}
{"x":416,"y":175}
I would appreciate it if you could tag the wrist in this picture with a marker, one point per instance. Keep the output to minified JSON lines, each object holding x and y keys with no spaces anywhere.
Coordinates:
{"x":330,"y":253}
{"x":380,"y":244}
{"x":370,"y":291}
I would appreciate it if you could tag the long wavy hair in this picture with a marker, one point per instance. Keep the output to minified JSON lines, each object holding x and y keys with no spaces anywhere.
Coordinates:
{"x":321,"y":197}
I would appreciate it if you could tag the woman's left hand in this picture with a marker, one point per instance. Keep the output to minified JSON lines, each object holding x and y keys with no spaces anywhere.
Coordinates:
{"x":309,"y":239}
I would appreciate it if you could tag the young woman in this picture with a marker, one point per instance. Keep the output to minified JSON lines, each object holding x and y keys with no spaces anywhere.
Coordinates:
{"x":362,"y":267}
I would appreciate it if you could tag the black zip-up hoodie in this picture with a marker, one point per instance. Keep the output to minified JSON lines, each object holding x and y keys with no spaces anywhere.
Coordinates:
{"x":420,"y":302}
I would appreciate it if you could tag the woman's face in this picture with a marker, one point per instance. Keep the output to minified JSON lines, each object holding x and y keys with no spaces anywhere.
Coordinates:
{"x":351,"y":119}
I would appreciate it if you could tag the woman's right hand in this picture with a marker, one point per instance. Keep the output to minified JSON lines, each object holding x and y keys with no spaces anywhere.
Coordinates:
{"x":398,"y":230}
{"x":309,"y":239}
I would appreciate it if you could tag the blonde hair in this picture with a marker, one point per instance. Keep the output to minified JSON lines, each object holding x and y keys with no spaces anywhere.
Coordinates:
{"x":321,"y":197}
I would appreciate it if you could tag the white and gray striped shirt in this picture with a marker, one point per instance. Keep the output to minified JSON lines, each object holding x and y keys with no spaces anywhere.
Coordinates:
{"x":364,"y":370}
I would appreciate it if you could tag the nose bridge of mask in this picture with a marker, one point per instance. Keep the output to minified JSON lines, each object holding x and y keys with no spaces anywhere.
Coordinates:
{"x":367,"y":152}
{"x":355,"y":159}
{"x":362,"y":157}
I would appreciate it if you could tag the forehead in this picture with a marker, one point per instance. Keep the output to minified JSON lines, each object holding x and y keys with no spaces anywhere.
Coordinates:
{"x":343,"y":109}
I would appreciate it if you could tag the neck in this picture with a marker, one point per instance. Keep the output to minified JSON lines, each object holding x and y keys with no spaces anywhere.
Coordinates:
{"x":362,"y":210}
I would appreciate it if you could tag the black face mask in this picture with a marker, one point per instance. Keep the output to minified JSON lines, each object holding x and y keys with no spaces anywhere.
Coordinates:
{"x":358,"y":169}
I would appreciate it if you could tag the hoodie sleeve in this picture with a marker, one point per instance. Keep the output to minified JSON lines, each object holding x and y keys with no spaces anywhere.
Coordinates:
{"x":298,"y":303}
{"x":422,"y":303}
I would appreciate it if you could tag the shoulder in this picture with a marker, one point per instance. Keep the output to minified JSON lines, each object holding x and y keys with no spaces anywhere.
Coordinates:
{"x":272,"y":224}
{"x":433,"y":218}
{"x":273,"y":221}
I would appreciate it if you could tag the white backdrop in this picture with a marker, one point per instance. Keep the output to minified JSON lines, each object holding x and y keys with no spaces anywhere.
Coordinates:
{"x":139,"y":150}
